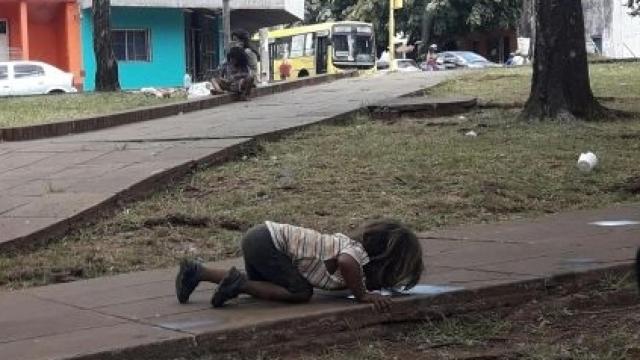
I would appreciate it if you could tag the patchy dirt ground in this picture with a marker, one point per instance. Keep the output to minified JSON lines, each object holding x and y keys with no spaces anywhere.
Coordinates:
{"x":596,"y":324}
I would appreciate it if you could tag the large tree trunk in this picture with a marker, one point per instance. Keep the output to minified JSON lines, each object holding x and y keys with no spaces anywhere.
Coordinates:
{"x":106,"y":64}
{"x":560,"y":87}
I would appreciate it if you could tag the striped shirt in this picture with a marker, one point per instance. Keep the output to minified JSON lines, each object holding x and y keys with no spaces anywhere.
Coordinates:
{"x":309,"y":249}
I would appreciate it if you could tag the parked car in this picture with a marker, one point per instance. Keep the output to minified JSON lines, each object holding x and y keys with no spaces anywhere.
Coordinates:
{"x":33,"y":78}
{"x":382,"y":65}
{"x":406,"y":65}
{"x":402,"y":65}
{"x":464,"y":59}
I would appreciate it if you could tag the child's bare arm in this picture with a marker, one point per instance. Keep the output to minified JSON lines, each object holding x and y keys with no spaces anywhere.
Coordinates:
{"x":352,"y":274}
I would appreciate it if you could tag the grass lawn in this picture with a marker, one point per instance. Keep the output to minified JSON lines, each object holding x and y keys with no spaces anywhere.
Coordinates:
{"x":333,"y":177}
{"x":512,"y":85}
{"x":32,"y":110}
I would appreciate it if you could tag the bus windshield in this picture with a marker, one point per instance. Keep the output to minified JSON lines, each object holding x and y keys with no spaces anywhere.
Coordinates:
{"x":353,"y":46}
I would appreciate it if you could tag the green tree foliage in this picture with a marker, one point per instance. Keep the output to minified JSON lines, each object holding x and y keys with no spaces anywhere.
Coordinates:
{"x":634,"y":5}
{"x":450,"y":17}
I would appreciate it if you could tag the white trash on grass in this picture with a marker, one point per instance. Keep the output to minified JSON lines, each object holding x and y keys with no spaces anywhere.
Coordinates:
{"x":198,"y":90}
{"x":587,"y":161}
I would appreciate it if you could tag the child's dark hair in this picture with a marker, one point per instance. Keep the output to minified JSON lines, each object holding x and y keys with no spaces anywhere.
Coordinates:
{"x":395,"y":254}
{"x":239,"y":56}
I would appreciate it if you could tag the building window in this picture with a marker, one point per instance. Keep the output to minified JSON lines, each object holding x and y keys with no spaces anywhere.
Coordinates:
{"x":131,"y":45}
{"x":597,"y":44}
{"x":26,"y":71}
{"x":4,"y":72}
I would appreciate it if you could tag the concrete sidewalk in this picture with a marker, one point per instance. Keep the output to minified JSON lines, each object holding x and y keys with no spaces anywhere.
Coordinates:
{"x":48,"y":186}
{"x":136,"y":316}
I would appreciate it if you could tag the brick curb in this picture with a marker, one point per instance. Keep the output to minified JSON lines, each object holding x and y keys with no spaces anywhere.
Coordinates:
{"x":152,"y":112}
{"x":350,"y":324}
{"x":614,"y":61}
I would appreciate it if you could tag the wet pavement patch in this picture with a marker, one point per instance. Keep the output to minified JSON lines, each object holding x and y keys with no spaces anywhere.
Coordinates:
{"x":420,"y":290}
{"x":614,"y":223}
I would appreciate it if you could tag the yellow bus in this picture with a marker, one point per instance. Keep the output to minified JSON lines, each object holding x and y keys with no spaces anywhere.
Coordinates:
{"x":326,"y":48}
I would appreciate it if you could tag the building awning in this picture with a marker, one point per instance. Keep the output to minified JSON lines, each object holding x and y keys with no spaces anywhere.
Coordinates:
{"x":248,"y":14}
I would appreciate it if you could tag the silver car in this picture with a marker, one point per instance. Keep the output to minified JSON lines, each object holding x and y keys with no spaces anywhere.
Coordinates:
{"x":464,"y":59}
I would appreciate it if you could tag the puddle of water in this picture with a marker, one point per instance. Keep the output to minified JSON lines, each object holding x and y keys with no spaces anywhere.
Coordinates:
{"x":424,"y":289}
{"x":189,"y":324}
{"x":613,"y":223}
{"x":432,"y":289}
{"x":578,"y":263}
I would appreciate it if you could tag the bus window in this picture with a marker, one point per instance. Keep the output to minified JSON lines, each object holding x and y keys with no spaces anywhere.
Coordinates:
{"x":364,"y":48}
{"x":297,"y":46}
{"x":341,"y":45}
{"x":309,"y":45}
{"x":282,"y":48}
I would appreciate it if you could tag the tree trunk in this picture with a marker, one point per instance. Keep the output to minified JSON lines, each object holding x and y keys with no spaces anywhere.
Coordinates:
{"x":527,"y":24}
{"x":560,"y":88}
{"x":106,"y":64}
{"x":427,"y":26}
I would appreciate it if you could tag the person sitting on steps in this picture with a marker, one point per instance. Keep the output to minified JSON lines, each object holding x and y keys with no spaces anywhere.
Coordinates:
{"x":285,"y":263}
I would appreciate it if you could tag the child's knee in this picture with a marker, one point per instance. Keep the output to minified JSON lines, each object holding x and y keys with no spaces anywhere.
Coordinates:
{"x":302,"y":296}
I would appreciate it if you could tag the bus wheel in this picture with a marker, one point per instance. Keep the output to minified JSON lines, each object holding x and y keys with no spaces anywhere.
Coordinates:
{"x":303,"y":73}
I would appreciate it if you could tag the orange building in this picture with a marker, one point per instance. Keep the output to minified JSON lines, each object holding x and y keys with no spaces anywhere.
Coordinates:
{"x":42,"y":30}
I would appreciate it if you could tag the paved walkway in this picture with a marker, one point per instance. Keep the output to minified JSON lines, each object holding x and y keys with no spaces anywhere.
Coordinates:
{"x":136,"y":316}
{"x":47,"y":185}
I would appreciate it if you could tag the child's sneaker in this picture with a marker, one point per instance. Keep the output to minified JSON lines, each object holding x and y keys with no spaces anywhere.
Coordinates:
{"x":229,"y":287}
{"x":187,"y":279}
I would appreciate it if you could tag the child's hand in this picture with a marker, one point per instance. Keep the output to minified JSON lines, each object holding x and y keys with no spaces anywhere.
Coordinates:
{"x":380,"y":302}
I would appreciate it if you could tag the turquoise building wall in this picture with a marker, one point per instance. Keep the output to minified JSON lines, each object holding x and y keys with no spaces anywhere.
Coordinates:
{"x":167,"y":38}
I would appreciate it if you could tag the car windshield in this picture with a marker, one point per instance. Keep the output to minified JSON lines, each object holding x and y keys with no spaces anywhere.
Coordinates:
{"x":471,"y":57}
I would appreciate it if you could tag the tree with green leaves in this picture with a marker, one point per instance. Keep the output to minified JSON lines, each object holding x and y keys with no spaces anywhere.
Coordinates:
{"x":421,"y":19}
{"x":634,"y":5}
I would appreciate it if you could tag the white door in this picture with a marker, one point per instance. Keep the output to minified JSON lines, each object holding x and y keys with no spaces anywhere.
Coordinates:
{"x":28,"y":79}
{"x":5,"y":83}
{"x":4,"y":40}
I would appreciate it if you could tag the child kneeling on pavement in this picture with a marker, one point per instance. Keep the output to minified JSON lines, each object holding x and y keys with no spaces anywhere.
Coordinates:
{"x":285,"y":263}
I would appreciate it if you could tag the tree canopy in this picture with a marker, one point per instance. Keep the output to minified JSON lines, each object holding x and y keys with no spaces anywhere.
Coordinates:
{"x":634,"y":5}
{"x":450,"y":17}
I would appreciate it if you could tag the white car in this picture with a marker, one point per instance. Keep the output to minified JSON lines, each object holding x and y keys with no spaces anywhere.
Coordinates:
{"x":406,"y":65}
{"x":33,"y":78}
{"x":402,"y":65}
{"x":464,"y":59}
